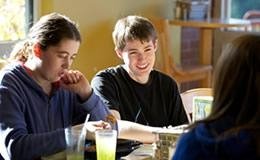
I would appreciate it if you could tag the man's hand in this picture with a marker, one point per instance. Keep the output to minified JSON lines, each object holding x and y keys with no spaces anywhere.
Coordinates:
{"x":93,"y":126}
{"x":76,"y":82}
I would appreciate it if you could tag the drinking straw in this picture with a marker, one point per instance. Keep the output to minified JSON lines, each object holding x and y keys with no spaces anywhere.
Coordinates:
{"x":83,"y":132}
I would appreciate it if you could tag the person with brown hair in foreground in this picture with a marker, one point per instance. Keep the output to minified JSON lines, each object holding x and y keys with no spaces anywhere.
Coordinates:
{"x":232,"y":129}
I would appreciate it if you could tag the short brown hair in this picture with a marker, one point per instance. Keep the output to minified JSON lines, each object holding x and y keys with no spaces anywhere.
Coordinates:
{"x":131,"y":28}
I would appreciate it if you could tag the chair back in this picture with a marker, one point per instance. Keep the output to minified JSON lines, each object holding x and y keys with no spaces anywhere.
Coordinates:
{"x":254,"y":17}
{"x":166,"y":63}
{"x":187,"y":99}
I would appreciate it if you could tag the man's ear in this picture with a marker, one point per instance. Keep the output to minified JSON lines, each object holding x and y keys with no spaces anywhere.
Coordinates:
{"x":119,"y":53}
{"x":37,"y":50}
{"x":156,"y":44}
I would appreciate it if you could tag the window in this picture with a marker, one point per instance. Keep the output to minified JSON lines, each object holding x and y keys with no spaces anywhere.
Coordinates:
{"x":237,"y":8}
{"x":240,"y":7}
{"x":16,"y":16}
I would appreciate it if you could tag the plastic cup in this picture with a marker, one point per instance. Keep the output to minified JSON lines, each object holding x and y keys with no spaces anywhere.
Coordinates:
{"x":75,"y":144}
{"x":106,"y":144}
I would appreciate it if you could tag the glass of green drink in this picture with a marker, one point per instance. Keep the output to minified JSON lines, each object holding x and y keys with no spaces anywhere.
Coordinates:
{"x":75,"y":144}
{"x":106,"y":144}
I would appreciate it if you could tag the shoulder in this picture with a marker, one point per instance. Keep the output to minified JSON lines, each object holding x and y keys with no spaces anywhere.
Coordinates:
{"x":15,"y":78}
{"x":194,"y":135}
{"x":187,"y":137}
{"x":11,"y":82}
{"x":164,"y":79}
{"x":109,"y":76}
{"x":188,"y":145}
{"x":111,"y":71}
{"x":162,"y":76}
{"x":10,"y":72}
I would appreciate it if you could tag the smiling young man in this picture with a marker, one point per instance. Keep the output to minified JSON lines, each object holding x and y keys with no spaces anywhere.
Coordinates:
{"x":134,"y":91}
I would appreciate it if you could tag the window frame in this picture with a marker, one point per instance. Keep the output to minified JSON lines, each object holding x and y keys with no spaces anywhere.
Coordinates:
{"x":32,"y":10}
{"x":225,"y":9}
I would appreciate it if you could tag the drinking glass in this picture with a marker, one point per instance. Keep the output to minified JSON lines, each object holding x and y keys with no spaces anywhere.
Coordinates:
{"x":106,"y":144}
{"x":75,"y":144}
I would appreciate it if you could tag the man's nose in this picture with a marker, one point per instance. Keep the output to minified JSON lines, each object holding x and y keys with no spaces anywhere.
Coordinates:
{"x":67,"y":63}
{"x":141,"y":56}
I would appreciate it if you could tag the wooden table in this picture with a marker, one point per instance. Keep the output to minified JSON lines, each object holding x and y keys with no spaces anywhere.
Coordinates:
{"x":206,"y":33}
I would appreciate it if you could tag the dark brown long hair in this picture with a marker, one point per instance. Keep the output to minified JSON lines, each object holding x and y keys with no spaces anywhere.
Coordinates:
{"x":236,"y":86}
{"x":236,"y":90}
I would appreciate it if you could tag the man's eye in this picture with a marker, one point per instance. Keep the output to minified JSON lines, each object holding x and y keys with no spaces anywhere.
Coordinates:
{"x":148,"y":50}
{"x":73,"y":57}
{"x":133,"y":53}
{"x":62,"y":56}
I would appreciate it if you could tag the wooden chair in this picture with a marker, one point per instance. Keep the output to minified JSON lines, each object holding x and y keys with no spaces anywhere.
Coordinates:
{"x":187,"y":98}
{"x":252,"y":14}
{"x":181,"y":74}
